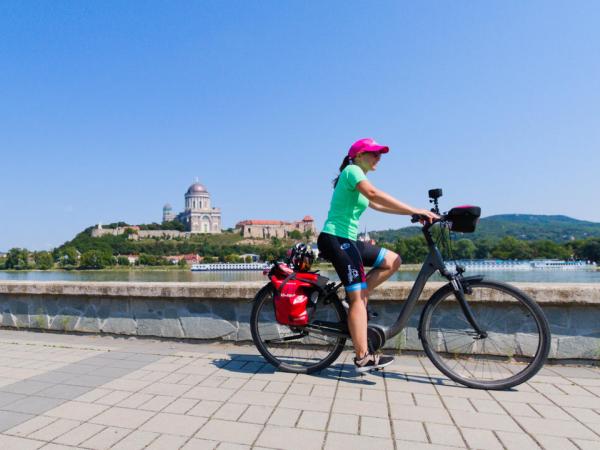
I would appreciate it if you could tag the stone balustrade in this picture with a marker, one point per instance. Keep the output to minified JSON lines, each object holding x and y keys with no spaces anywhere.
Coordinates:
{"x":221,"y":311}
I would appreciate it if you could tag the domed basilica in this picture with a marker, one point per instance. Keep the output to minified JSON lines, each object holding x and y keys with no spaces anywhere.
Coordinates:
{"x":198,"y":216}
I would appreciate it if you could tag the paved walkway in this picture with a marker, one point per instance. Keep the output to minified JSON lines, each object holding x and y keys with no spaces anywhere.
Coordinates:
{"x":65,"y":391}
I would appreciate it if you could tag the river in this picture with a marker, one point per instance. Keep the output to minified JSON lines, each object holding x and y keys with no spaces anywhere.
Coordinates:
{"x":541,"y":276}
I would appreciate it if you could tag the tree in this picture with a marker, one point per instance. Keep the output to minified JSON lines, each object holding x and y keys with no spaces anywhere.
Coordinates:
{"x":412,"y":250}
{"x":512,"y":248}
{"x":18,"y":259}
{"x":95,"y":259}
{"x":549,"y":249}
{"x":589,"y":250}
{"x":68,"y":258}
{"x":484,"y":248}
{"x":43,"y":260}
{"x":464,"y":249}
{"x":122,"y":261}
{"x":182,"y":263}
{"x":295,"y":234}
{"x":308,"y":234}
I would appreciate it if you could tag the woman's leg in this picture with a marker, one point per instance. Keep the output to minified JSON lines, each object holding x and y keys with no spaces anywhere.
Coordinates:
{"x":388,"y":266}
{"x":357,"y":321}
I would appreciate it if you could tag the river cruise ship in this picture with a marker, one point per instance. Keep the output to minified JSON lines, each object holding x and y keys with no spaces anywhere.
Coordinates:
{"x":522,"y":265}
{"x":229,"y":266}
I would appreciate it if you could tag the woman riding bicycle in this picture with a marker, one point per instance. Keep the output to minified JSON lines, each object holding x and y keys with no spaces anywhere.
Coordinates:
{"x":338,"y":241}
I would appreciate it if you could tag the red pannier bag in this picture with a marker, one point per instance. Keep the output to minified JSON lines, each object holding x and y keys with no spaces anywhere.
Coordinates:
{"x":292,"y":290}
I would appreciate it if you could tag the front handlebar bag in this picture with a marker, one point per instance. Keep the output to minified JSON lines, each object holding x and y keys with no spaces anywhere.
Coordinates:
{"x":463,"y":218}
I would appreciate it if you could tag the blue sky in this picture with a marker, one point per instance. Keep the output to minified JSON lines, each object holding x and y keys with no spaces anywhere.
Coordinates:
{"x":110,"y":109}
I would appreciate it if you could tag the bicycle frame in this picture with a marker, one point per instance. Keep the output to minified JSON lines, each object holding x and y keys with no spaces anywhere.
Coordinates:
{"x":433,"y":263}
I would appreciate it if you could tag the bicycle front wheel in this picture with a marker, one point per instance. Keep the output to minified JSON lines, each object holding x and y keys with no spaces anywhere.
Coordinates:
{"x":295,"y":349}
{"x":513,"y":349}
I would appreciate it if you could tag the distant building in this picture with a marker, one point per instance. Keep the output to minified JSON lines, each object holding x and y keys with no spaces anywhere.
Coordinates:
{"x":198,"y":216}
{"x":265,"y":229}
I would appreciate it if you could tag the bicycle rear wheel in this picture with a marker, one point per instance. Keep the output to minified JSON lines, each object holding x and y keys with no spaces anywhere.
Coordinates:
{"x":295,"y":349}
{"x":514,"y":349}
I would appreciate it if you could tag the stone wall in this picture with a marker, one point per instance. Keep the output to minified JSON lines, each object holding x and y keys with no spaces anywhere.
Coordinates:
{"x":222,"y":310}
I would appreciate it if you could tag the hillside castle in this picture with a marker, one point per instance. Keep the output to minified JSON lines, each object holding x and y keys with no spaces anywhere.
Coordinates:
{"x":200,"y":217}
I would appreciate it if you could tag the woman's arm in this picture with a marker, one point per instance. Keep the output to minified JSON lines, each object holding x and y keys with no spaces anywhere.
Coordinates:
{"x":378,"y":207}
{"x":384,"y":202}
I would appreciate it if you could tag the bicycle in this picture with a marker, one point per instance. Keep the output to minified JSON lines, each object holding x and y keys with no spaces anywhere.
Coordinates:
{"x":471,"y":343}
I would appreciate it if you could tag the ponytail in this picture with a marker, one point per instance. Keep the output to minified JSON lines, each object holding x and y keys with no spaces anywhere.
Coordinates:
{"x":346,"y":162}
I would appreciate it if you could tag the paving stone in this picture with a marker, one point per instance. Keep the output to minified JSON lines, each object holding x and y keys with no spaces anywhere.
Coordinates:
{"x":179,"y":424}
{"x":421,"y":414}
{"x":18,"y":443}
{"x":555,"y":443}
{"x":122,"y":417}
{"x":516,"y":441}
{"x":584,"y":415}
{"x":444,"y":434}
{"x":308,"y":403}
{"x":26,"y":387}
{"x":576,"y":401}
{"x":136,"y":440}
{"x":64,"y":391}
{"x":313,"y":420}
{"x":553,"y":427}
{"x":55,"y":429}
{"x":230,"y":411}
{"x":256,"y":398}
{"x":34,"y":404}
{"x":401,"y":398}
{"x":585,"y":444}
{"x":343,"y":423}
{"x":167,"y":442}
{"x":79,"y":434}
{"x":135,"y":400}
{"x":235,"y":432}
{"x":485,"y":421}
{"x":348,"y":393}
{"x":173,"y":390}
{"x":106,"y":438}
{"x":300,"y":389}
{"x":209,"y":393}
{"x":93,"y":395}
{"x":490,"y":406}
{"x":291,"y":438}
{"x":256,"y":414}
{"x":339,"y":441}
{"x":523,"y":409}
{"x":31,"y":426}
{"x":77,"y":410}
{"x":376,"y":427}
{"x":360,"y":407}
{"x":285,"y":417}
{"x":181,"y":406}
{"x":481,"y":439}
{"x":254,"y":385}
{"x":113,"y":398}
{"x":409,"y":431}
{"x":432,"y":401}
{"x":550,"y":412}
{"x":205,"y":408}
{"x":460,"y":404}
{"x":201,"y":444}
{"x":158,"y":403}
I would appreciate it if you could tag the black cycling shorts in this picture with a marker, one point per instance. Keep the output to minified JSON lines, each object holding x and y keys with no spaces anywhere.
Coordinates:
{"x":349,"y":258}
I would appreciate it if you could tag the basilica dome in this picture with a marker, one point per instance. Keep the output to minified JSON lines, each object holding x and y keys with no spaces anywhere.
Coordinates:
{"x":196,"y":188}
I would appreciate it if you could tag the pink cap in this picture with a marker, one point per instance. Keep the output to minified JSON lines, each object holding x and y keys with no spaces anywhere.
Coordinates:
{"x":366,"y":145}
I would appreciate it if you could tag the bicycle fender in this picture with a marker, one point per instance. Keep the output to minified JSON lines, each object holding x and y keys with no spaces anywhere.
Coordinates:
{"x":444,"y":290}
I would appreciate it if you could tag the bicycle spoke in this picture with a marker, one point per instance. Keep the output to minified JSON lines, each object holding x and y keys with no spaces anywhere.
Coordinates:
{"x":512,"y":331}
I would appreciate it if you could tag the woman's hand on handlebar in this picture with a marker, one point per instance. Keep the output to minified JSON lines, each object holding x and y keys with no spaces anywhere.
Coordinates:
{"x":424,"y":216}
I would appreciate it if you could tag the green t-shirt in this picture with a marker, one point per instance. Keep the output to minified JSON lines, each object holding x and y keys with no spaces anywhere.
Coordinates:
{"x":347,"y":204}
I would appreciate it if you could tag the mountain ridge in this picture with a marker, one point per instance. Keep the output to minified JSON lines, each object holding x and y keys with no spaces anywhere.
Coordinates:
{"x":530,"y":227}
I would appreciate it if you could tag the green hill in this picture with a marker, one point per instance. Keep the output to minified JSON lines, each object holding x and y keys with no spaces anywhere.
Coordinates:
{"x":528,"y":227}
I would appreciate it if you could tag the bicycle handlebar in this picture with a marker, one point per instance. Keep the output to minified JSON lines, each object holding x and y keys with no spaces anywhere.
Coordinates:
{"x":418,"y":217}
